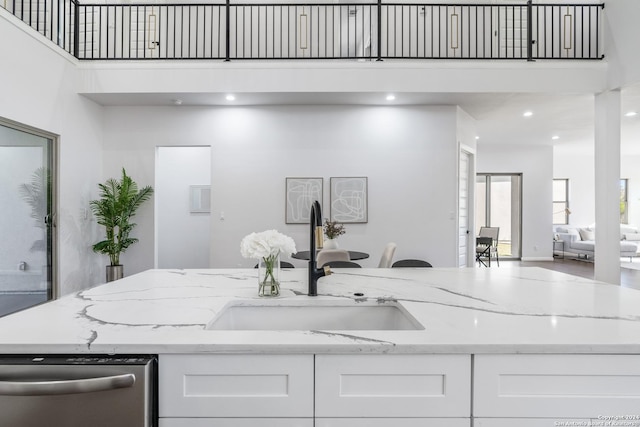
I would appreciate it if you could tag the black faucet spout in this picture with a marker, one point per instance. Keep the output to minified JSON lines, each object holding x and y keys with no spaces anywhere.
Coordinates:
{"x":315,"y":242}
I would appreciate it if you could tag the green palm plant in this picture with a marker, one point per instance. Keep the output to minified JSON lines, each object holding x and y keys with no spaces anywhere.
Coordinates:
{"x":119,"y":200}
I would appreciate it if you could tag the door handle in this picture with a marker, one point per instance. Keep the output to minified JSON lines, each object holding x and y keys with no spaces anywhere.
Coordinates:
{"x":50,"y":220}
{"x":50,"y":388}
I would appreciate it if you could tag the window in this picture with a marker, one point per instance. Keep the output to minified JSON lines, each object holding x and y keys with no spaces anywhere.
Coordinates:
{"x":561,"y":201}
{"x":624,"y":211}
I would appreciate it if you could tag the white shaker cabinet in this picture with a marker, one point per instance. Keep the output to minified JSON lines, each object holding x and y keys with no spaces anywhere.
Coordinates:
{"x":568,"y":387}
{"x":411,"y":388}
{"x":235,"y":386}
{"x":236,"y":422}
{"x":393,"y":422}
{"x":350,"y":390}
{"x":531,"y":422}
{"x":403,"y":390}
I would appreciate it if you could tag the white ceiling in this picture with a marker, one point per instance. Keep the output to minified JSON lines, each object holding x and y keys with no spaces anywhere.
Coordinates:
{"x":499,"y":116}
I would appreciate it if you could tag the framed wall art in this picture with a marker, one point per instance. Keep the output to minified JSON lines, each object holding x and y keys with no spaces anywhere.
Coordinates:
{"x":300,"y":193}
{"x":348,"y":199}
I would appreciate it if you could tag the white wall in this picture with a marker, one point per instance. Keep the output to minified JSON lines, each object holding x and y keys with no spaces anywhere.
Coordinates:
{"x":38,"y":88}
{"x":535,"y":163}
{"x":621,"y":35}
{"x":409,"y":155}
{"x":183,"y":237}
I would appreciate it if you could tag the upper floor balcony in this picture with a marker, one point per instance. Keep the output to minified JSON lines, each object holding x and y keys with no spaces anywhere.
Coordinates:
{"x":365,"y":30}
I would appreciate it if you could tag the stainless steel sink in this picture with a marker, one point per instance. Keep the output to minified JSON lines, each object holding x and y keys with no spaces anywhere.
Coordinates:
{"x":320,"y":315}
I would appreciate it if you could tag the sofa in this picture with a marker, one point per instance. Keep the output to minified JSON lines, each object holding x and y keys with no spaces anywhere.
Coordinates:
{"x":581,"y":241}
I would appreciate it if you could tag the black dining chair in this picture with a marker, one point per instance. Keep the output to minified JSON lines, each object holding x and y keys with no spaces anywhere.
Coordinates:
{"x":492,"y":232}
{"x":483,"y":250}
{"x":411,"y":263}
{"x":342,"y":264}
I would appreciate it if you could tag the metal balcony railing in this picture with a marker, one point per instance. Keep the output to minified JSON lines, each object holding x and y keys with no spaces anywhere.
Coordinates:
{"x":363,"y":31}
{"x":52,"y":18}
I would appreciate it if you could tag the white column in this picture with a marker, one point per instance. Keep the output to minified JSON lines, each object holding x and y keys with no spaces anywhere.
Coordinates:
{"x":608,"y":111}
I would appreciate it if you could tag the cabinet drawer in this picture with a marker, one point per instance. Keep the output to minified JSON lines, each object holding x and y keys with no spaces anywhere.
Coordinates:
{"x":395,"y":422}
{"x":531,"y":422}
{"x":393,"y":386}
{"x":235,"y":385}
{"x":562,"y":386}
{"x":236,"y":422}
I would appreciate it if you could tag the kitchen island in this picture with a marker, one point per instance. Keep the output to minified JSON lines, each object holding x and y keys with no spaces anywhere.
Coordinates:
{"x":506,"y":310}
{"x":498,"y":347}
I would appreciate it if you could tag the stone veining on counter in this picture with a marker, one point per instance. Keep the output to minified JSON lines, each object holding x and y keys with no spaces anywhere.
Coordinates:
{"x":462,"y":310}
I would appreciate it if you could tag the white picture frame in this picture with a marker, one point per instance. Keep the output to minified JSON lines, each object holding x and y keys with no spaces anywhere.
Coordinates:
{"x":300,"y":193}
{"x":349,"y":199}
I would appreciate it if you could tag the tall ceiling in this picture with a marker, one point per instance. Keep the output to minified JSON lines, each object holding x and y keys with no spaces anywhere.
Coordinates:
{"x":500,"y":120}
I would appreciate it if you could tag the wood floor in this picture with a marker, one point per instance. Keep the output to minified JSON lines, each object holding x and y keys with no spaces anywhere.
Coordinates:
{"x":628,"y":278}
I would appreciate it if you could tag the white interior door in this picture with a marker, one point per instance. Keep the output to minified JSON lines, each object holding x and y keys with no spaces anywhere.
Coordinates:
{"x":463,"y":208}
{"x":182,"y":198}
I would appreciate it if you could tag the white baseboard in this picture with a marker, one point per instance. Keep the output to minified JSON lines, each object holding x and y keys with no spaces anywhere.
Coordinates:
{"x":532,"y":258}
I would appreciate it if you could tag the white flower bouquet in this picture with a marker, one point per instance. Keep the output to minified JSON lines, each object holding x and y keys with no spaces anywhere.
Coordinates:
{"x":267,"y":247}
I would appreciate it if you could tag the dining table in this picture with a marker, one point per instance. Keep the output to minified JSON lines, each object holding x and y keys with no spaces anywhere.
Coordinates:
{"x":353,"y":255}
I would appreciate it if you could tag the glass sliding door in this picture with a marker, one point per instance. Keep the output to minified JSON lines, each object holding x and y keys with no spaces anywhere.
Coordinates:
{"x":26,"y":196}
{"x":498,"y":204}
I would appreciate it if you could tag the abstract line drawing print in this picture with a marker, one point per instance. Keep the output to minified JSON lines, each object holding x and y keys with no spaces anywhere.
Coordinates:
{"x":349,"y":199}
{"x":300,"y":194}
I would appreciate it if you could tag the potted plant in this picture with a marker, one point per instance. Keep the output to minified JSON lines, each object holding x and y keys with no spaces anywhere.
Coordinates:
{"x":118,"y":202}
{"x":332,"y":230}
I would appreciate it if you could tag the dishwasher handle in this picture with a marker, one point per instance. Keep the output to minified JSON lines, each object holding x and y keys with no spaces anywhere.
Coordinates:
{"x":50,"y":388}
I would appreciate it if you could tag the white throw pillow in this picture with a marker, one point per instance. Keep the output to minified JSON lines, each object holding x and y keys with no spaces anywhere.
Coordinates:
{"x":633,"y":237}
{"x":586,"y":234}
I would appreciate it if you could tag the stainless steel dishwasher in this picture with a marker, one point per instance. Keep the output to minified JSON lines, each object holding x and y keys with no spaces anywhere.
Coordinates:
{"x":78,"y":391}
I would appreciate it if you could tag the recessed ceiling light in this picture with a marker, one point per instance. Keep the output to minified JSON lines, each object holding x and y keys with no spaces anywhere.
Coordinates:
{"x":528,"y":114}
{"x":391,"y":97}
{"x":230,"y":97}
{"x":631,"y":114}
{"x":477,"y":137}
{"x":555,"y":137}
{"x":177,"y":102}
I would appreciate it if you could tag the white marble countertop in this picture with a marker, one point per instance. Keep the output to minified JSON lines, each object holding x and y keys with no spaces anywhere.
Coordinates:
{"x":497,"y":310}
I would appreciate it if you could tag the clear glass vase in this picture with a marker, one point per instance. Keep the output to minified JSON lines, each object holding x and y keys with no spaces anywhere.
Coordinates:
{"x":269,"y":276}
